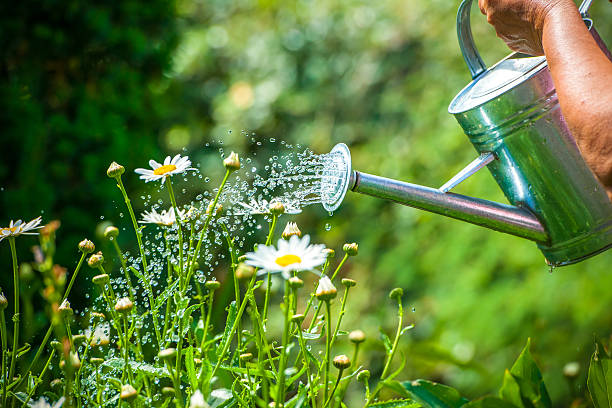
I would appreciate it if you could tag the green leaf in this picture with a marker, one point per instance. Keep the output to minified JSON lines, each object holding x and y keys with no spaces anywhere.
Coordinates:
{"x":489,"y":402}
{"x":406,"y":329}
{"x":404,"y":403}
{"x":386,"y":341}
{"x":231,"y":318}
{"x":510,"y":391}
{"x":190,"y":366}
{"x":529,"y":378}
{"x":161,"y":299}
{"x":434,"y":395}
{"x":599,"y":381}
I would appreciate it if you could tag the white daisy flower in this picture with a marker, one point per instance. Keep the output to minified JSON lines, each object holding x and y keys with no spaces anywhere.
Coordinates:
{"x":164,"y":218}
{"x":176,"y":165}
{"x":293,"y":255}
{"x":20,"y":228}
{"x":263,"y":207}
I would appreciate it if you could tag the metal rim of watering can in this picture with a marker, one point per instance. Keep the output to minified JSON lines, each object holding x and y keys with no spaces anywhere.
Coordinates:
{"x":338,"y":196}
{"x":466,"y":41}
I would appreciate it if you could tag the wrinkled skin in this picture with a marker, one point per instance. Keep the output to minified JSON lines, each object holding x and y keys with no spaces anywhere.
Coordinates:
{"x":581,"y":71}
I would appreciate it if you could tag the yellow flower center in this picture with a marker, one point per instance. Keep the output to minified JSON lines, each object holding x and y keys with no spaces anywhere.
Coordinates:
{"x":11,"y":230}
{"x":288,"y":259}
{"x":164,"y":169}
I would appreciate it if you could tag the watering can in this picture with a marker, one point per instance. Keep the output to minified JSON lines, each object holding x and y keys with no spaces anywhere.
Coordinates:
{"x":510,"y":113}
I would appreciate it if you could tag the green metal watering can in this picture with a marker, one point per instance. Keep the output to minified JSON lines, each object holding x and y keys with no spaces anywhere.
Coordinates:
{"x":511,"y":114}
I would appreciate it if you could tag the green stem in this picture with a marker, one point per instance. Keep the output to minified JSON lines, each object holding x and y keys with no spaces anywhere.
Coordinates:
{"x":3,"y":333}
{"x":127,"y":349}
{"x":308,"y":376}
{"x":169,"y":281}
{"x":205,"y":227}
{"x":327,"y":349}
{"x":342,"y":312}
{"x":269,"y":277}
{"x":39,"y":379}
{"x":50,"y":329}
{"x":124,"y":267}
{"x":331,"y":396}
{"x":232,"y":251}
{"x":232,"y":331}
{"x":339,"y":266}
{"x":400,"y":313}
{"x":179,"y":225}
{"x":142,"y":256}
{"x":16,"y":314}
{"x":280,"y":398}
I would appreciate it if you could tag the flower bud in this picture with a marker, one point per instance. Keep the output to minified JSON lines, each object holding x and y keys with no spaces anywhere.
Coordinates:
{"x":115,"y":170}
{"x":342,"y":362}
{"x":57,"y":346}
{"x":111,"y":232}
{"x":3,"y":301}
{"x":72,"y":363}
{"x":351,"y":249}
{"x":295,"y":282}
{"x":95,"y":260}
{"x":277,"y":208}
{"x":291,"y":229}
{"x":65,"y":309}
{"x":244,"y":271}
{"x":96,"y":361}
{"x":246,"y":357}
{"x":329,"y":253}
{"x":363,"y":376}
{"x":232,"y":162}
{"x":168,"y":354}
{"x":396,"y":294}
{"x":212,"y":285}
{"x":86,"y":246}
{"x":217,"y":210}
{"x":101,"y":280}
{"x":168,"y":392}
{"x":79,"y":339}
{"x":128,"y":393}
{"x":124,"y":305}
{"x":357,"y":336}
{"x":97,"y":316}
{"x":197,"y":400}
{"x":326,"y":289}
{"x":349,"y":283}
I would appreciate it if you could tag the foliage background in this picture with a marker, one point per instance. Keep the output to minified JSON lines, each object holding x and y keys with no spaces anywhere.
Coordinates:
{"x":83,"y":84}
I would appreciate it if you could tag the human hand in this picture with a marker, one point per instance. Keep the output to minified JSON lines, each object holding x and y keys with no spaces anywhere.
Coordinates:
{"x":520,"y":22}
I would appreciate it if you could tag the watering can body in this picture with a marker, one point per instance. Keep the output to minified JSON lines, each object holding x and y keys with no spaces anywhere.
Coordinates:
{"x":511,"y":110}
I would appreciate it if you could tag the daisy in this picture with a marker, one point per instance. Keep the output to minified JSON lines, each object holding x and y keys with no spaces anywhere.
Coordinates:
{"x":263,"y":207}
{"x":293,"y":255}
{"x":20,"y":228}
{"x":176,"y":165}
{"x":165,"y":218}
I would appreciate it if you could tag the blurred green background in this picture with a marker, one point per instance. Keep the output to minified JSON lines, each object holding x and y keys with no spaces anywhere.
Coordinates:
{"x":82,"y":84}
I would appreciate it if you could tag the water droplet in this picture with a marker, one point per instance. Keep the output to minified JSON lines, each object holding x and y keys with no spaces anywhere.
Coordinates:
{"x":327,"y":226}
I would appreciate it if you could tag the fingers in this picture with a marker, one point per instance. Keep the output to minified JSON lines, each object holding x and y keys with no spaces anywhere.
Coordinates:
{"x":482,"y":4}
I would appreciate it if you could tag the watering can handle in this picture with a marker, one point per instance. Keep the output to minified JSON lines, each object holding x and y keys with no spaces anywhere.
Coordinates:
{"x":466,"y":42}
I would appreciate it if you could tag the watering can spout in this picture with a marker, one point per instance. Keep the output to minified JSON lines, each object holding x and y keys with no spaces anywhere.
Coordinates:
{"x":338,"y":178}
{"x":496,"y":216}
